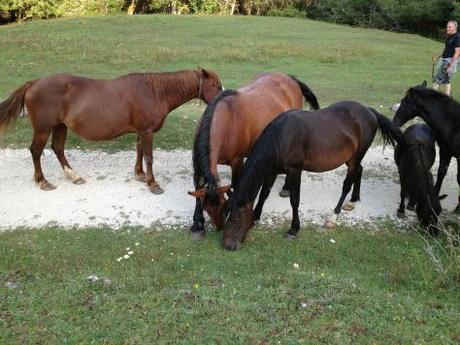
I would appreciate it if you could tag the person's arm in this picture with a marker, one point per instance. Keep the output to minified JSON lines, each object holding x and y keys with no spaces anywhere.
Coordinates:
{"x":453,"y":63}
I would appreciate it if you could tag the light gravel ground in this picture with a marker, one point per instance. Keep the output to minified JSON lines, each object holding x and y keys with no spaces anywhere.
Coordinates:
{"x":113,"y":197}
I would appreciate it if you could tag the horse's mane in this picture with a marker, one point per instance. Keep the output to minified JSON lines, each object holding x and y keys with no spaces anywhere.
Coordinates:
{"x":180,"y":83}
{"x":263,"y":161}
{"x":202,"y":148}
{"x":426,"y":92}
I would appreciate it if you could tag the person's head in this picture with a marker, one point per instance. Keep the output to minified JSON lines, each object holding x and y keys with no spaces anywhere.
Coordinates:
{"x":451,"y":27}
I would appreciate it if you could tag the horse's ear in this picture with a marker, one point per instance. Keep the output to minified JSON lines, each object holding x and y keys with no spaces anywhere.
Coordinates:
{"x":200,"y":193}
{"x":224,"y":189}
{"x":206,"y":74}
{"x":424,"y":84}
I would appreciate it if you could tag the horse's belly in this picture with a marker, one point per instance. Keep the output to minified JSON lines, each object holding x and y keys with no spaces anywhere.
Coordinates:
{"x":99,"y":133}
{"x":325,"y":162}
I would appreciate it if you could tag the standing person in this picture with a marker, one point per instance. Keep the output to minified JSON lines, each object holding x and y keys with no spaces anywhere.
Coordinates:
{"x":447,"y":65}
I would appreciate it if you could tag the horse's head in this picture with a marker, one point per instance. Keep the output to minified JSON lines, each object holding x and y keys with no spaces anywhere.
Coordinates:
{"x":210,"y":85}
{"x":237,"y":226}
{"x":408,"y":108}
{"x":215,"y":207}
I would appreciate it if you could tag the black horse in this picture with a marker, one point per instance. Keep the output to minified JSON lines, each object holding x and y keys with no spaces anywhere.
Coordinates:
{"x":313,"y":141}
{"x":414,"y":159}
{"x":442,"y":114}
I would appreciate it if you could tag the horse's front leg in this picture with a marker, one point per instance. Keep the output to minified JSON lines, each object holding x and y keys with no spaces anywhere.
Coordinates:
{"x":197,"y":229}
{"x":444,"y":161}
{"x":264,"y":193}
{"x":401,"y":210}
{"x":146,"y":139}
{"x":294,"y":197}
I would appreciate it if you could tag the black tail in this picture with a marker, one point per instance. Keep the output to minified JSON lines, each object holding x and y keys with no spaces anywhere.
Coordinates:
{"x":307,"y":93}
{"x":390,"y":133}
{"x":417,"y":180}
{"x":202,"y":147}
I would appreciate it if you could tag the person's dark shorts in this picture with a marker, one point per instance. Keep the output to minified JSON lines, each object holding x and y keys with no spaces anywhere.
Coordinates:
{"x":441,"y":76}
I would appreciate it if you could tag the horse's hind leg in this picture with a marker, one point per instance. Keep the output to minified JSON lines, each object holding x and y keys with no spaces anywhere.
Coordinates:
{"x":331,"y":222}
{"x":146,"y":139}
{"x":294,"y":197}
{"x":36,"y":149}
{"x":355,"y":194}
{"x":284,"y":192}
{"x":138,"y":170}
{"x":57,"y":145}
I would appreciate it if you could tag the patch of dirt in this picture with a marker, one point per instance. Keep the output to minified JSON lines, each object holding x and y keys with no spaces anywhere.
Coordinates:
{"x":111,"y":196}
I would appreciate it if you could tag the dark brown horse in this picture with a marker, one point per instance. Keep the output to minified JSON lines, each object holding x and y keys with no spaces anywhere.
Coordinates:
{"x":230,"y":125}
{"x":297,"y":140}
{"x":104,"y":109}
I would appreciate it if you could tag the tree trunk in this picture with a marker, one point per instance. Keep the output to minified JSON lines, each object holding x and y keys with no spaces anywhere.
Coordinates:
{"x":233,"y":8}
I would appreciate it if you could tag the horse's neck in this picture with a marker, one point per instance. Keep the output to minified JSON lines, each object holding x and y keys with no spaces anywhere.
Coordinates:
{"x":436,"y":116}
{"x":175,"y":89}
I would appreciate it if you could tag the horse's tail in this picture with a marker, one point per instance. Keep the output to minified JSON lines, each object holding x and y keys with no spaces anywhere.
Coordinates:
{"x":307,"y":93}
{"x":12,"y":106}
{"x":416,"y":179}
{"x":390,"y":133}
{"x":202,"y":147}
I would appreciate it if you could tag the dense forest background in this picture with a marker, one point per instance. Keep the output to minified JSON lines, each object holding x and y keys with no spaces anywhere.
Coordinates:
{"x":426,"y":17}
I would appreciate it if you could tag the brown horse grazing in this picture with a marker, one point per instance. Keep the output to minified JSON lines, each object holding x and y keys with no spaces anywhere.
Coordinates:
{"x":230,"y":125}
{"x":104,"y":109}
{"x":297,"y":140}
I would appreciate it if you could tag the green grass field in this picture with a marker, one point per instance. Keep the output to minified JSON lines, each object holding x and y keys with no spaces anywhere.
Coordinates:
{"x":369,"y":287}
{"x":370,"y":66}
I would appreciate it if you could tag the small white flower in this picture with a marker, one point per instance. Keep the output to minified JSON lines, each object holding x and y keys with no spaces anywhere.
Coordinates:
{"x":137,"y":243}
{"x":130,"y":252}
{"x":126,"y":256}
{"x":303,"y":304}
{"x":332,"y":240}
{"x":119,"y":259}
{"x":296,"y":265}
{"x":172,"y":254}
{"x":127,"y":248}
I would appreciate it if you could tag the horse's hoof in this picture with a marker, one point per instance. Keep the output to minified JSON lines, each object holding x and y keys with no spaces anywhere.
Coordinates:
{"x":156,"y":189}
{"x":349,"y":206}
{"x":197,"y":235}
{"x":289,"y":236}
{"x":79,"y":180}
{"x":140,"y":177}
{"x":45,"y":185}
{"x":400,"y":214}
{"x":284,"y":193}
{"x":329,"y":224}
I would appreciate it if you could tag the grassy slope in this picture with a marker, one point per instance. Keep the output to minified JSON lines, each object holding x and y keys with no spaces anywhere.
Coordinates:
{"x":371,"y":66}
{"x":367,"y":288}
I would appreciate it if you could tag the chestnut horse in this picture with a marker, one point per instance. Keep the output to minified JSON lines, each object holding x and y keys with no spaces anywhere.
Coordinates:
{"x":313,"y":141}
{"x":104,"y":109}
{"x":230,"y":125}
